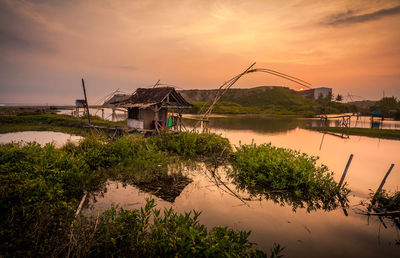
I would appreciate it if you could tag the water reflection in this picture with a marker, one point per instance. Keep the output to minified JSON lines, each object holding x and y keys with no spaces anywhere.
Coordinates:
{"x":383,"y":206}
{"x":268,"y":124}
{"x":41,"y":137}
{"x":258,"y":123}
{"x":289,"y":198}
{"x":315,"y":234}
{"x":239,"y":189}
{"x":305,"y":234}
{"x":166,"y":188}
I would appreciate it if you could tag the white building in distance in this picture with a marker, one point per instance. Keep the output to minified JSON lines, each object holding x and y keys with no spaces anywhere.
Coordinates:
{"x":316,"y":93}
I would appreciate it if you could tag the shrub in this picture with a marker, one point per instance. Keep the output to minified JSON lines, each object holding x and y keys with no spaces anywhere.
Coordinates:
{"x":260,"y":169}
{"x":41,"y":186}
{"x":147,"y":233}
{"x":193,"y":144}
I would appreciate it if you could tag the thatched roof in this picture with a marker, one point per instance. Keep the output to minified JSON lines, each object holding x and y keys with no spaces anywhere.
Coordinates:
{"x":163,"y":96}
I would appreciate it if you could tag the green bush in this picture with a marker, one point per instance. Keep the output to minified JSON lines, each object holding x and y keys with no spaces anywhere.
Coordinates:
{"x":193,"y":144}
{"x":260,"y":169}
{"x":41,"y":186}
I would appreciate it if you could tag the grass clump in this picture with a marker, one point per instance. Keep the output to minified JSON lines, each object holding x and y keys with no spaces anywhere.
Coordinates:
{"x":265,"y":169}
{"x":149,"y":233}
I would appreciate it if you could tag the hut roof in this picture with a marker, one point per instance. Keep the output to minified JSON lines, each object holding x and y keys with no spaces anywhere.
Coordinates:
{"x":146,"y":97}
{"x":114,"y":99}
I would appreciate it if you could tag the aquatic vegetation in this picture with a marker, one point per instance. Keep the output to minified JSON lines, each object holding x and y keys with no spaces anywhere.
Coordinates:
{"x":386,"y":201}
{"x":284,"y":175}
{"x":150,"y":233}
{"x":384,"y":204}
{"x":39,"y":191}
{"x":41,"y":188}
{"x":193,"y":144}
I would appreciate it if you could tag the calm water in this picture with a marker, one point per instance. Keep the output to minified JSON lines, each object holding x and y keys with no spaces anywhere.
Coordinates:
{"x":41,"y":137}
{"x":305,"y":234}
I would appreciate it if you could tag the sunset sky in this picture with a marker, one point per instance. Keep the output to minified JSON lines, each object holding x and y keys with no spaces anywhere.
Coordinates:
{"x":47,"y":46}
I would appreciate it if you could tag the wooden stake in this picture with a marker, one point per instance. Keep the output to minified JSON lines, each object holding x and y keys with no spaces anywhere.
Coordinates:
{"x":384,"y":179}
{"x":72,"y":224}
{"x":345,"y":170}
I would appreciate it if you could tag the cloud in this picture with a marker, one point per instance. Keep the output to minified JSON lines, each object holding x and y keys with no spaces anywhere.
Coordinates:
{"x":9,"y":40}
{"x":349,"y":17}
{"x":20,"y":34}
{"x":126,"y":67}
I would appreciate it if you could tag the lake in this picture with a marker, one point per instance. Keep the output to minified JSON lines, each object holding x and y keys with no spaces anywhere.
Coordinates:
{"x":318,"y":233}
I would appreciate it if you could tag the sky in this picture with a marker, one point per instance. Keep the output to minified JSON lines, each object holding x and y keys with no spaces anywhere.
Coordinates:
{"x":47,"y":46}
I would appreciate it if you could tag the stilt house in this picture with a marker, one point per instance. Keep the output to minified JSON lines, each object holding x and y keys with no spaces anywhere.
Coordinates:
{"x":148,"y":108}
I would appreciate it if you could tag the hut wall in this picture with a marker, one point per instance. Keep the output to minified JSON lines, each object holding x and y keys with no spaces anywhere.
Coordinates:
{"x":133,"y":123}
{"x":148,"y":117}
{"x":143,"y":118}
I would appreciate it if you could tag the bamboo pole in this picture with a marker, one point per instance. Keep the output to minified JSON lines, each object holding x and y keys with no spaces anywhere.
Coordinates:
{"x":87,"y":104}
{"x":384,"y":180}
{"x":345,"y":170}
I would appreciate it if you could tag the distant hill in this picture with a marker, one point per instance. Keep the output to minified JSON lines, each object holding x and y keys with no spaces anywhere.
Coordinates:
{"x":363,"y":104}
{"x":262,"y":96}
{"x":263,"y":99}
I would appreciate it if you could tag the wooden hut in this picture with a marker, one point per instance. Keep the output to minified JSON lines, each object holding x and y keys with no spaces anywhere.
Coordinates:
{"x":148,"y":108}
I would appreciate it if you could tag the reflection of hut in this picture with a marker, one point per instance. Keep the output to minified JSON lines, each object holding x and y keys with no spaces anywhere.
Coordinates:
{"x":167,"y":188}
{"x":376,"y":119}
{"x":148,"y":108}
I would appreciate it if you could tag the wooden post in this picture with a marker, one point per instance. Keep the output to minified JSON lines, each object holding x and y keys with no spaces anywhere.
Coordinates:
{"x":180,"y":121}
{"x":113,"y":114}
{"x":86,"y":102}
{"x":384,"y":179}
{"x":345,"y":170}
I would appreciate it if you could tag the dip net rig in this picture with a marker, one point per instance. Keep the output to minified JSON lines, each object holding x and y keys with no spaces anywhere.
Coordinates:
{"x":207,"y":108}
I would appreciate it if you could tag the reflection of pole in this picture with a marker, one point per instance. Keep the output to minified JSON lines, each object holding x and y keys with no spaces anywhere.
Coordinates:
{"x":86,"y":102}
{"x":345,"y":170}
